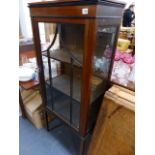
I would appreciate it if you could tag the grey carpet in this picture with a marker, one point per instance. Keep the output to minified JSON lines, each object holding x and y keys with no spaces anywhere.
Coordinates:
{"x":60,"y":141}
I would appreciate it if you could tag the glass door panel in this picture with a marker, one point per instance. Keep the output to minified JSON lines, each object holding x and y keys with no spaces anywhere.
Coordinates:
{"x":62,"y":55}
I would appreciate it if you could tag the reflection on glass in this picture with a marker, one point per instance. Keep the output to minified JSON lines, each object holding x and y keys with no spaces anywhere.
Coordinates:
{"x":101,"y":65}
{"x":103,"y":53}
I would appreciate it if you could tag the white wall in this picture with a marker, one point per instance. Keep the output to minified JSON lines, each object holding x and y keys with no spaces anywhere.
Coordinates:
{"x":128,"y":2}
{"x":24,"y":19}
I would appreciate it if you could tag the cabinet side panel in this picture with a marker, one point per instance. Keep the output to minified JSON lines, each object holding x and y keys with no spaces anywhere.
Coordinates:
{"x":37,"y":45}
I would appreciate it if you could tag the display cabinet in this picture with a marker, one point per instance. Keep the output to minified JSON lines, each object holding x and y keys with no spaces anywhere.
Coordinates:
{"x":75,"y":67}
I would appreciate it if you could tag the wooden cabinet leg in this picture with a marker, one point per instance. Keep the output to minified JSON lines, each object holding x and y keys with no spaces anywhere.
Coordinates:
{"x":82,"y":146}
{"x":22,"y":105}
{"x":46,"y":120}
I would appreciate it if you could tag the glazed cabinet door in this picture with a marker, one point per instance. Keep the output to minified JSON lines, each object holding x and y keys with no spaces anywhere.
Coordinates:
{"x":61,"y":54}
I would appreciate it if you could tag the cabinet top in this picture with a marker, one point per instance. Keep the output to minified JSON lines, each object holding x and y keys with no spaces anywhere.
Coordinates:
{"x":47,"y":3}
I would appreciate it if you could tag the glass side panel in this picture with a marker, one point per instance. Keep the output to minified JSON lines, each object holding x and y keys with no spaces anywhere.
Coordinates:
{"x":62,"y":55}
{"x":105,"y":36}
{"x":104,"y":46}
{"x":102,"y":58}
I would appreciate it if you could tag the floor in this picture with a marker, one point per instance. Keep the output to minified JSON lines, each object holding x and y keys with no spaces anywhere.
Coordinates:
{"x":33,"y":141}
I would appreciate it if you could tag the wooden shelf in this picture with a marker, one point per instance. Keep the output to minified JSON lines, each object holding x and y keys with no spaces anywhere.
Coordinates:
{"x":62,"y":106}
{"x":62,"y":84}
{"x":63,"y":56}
{"x":100,"y":74}
{"x":60,"y":92}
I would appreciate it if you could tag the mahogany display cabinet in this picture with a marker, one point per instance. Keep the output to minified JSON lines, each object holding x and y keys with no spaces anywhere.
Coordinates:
{"x":82,"y":45}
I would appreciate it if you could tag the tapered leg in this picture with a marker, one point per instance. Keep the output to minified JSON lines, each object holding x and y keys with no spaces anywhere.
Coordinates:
{"x":82,"y":146}
{"x":22,"y":105}
{"x":46,"y":120}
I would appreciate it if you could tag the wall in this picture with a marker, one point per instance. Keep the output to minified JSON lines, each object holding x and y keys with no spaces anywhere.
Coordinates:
{"x":24,"y":19}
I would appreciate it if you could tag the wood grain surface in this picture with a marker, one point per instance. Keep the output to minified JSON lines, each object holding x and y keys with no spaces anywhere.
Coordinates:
{"x":114,"y":133}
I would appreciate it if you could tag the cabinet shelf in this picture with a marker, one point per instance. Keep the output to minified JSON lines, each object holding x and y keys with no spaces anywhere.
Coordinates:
{"x":62,"y":84}
{"x":60,"y":93}
{"x":61,"y":106}
{"x":63,"y":56}
{"x":100,"y":74}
